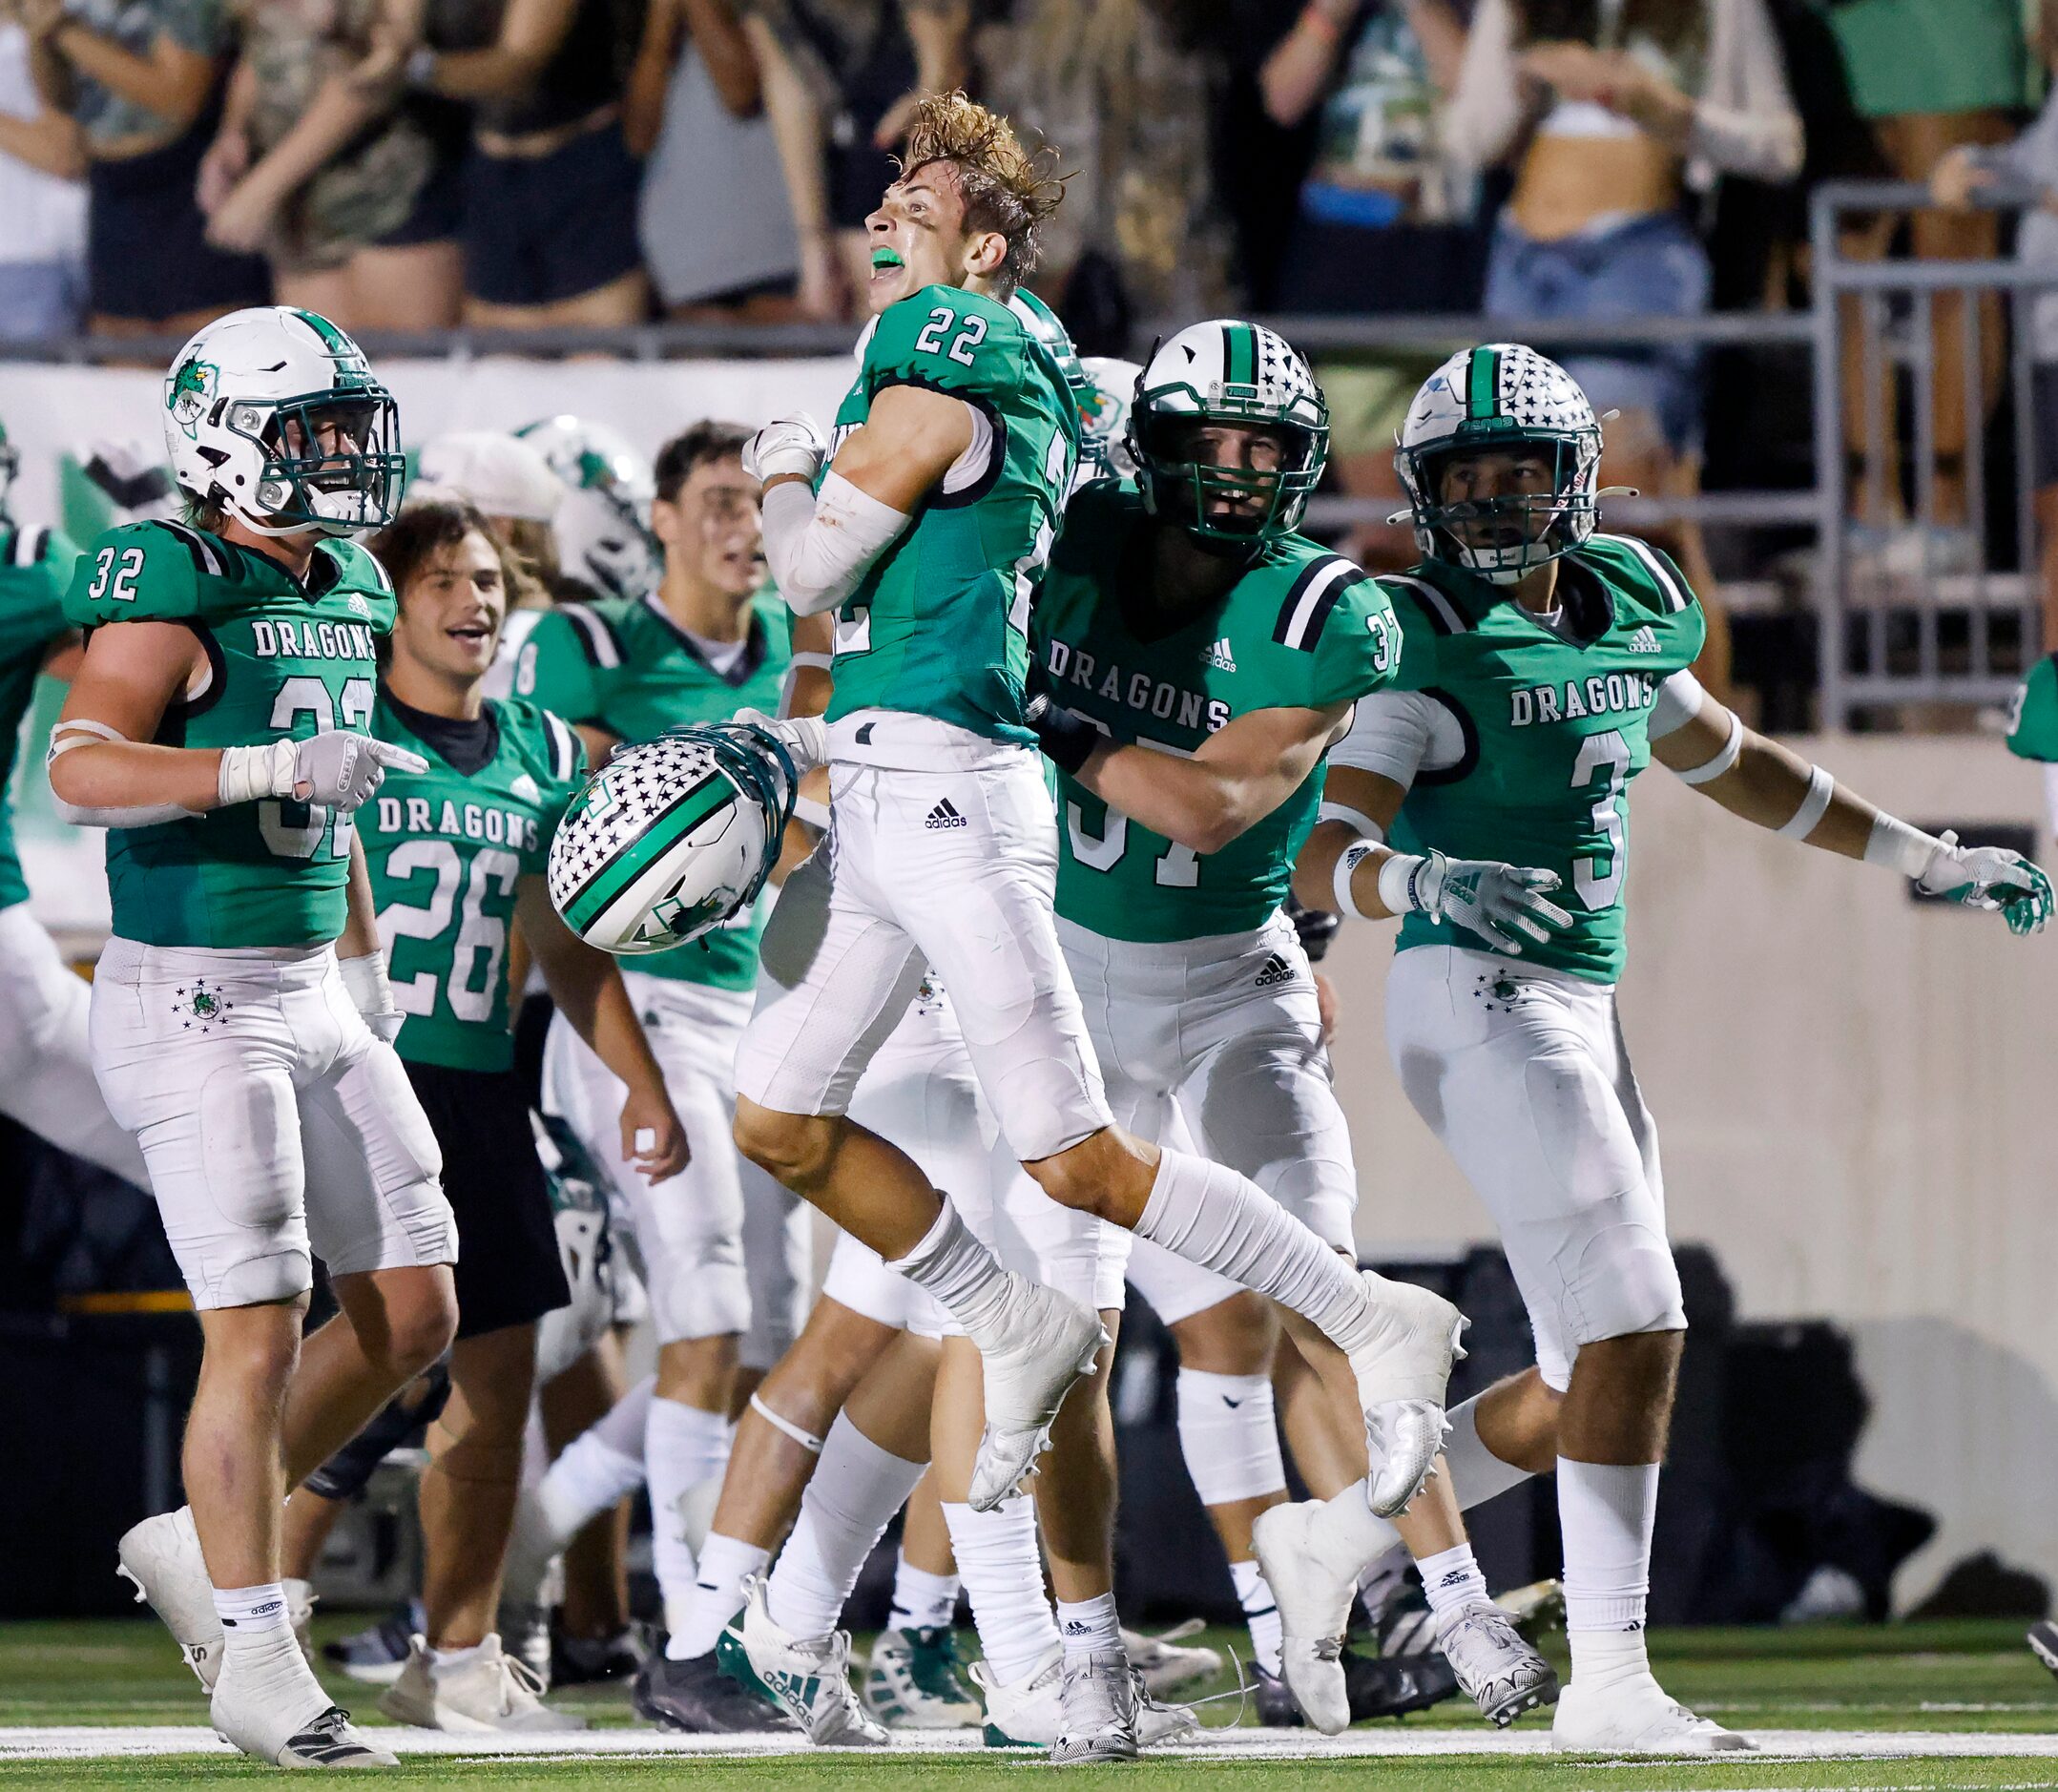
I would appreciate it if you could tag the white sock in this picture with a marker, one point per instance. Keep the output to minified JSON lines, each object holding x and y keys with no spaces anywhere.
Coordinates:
{"x":848,"y":1504}
{"x":602,"y":1465}
{"x":249,"y":1612}
{"x":957,"y":1272}
{"x":1089,"y":1626}
{"x":1211,"y":1216}
{"x":1350,"y":1537}
{"x":1452,"y":1580}
{"x":1002,"y":1572}
{"x":1260,"y":1612}
{"x":683,"y":1446}
{"x":1606,"y":1512}
{"x":717,"y":1595}
{"x":1229,"y":1436}
{"x":922,"y":1600}
{"x":1477,"y":1474}
{"x":457,"y":1657}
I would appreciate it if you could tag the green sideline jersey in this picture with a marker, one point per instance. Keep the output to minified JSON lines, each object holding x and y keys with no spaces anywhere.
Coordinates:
{"x":286,"y":659}
{"x":446,"y":848}
{"x":940,"y":625}
{"x":1303,"y":629}
{"x":1554,"y":726}
{"x":34,"y":565}
{"x":624,"y":665}
{"x":2033,"y":727}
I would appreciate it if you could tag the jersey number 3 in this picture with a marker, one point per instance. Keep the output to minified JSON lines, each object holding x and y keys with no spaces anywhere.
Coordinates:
{"x":1598,"y":880}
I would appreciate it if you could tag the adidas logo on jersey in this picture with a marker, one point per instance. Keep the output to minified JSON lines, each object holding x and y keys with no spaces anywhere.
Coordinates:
{"x":1277,"y":970}
{"x":945,"y":815}
{"x":1645,"y":640}
{"x":1219,"y":655}
{"x":525,"y":787}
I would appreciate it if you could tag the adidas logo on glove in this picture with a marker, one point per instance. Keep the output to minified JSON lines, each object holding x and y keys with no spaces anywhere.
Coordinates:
{"x":945,"y":815}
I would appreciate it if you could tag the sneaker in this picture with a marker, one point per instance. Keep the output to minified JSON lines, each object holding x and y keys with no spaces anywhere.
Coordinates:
{"x":1314,"y":1597}
{"x":376,"y":1656}
{"x":162,"y":1559}
{"x":1028,"y":1712}
{"x":486,"y":1692}
{"x":1032,"y":1354}
{"x":1635,"y":1716}
{"x":2043,"y":1640}
{"x":524,"y":1634}
{"x":598,"y":1660}
{"x":1167,"y":1665}
{"x":695,"y":1697}
{"x":1403,"y":1371}
{"x":915,"y":1681}
{"x":1500,"y":1671}
{"x":1097,"y":1709}
{"x":807,"y":1678}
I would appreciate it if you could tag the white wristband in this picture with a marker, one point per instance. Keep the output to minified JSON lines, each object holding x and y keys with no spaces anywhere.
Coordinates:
{"x":1900,"y":847}
{"x":1822,"y":786}
{"x":1397,"y":882}
{"x":1347,"y":863}
{"x":1725,"y":756}
{"x":250,"y":772}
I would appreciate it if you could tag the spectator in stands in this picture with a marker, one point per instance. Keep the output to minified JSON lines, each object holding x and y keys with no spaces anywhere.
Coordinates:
{"x":841,"y":78}
{"x":42,"y":205}
{"x":716,"y":231}
{"x":139,"y":77}
{"x":1606,"y":109}
{"x":348,"y":186}
{"x":1932,"y":75}
{"x":550,"y":185}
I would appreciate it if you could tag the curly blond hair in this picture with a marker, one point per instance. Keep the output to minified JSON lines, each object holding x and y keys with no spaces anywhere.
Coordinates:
{"x":1005,"y":187}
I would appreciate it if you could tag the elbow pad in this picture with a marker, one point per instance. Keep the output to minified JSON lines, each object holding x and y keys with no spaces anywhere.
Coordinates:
{"x":77,"y":734}
{"x":820,"y":545}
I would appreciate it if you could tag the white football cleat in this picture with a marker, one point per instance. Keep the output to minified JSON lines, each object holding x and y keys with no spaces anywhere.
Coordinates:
{"x":1168,"y":1665}
{"x":807,"y":1678}
{"x":1032,"y":1355}
{"x":489,"y":1693}
{"x":1403,"y":1371}
{"x":1636,"y":1715}
{"x":1097,"y":1709}
{"x":161,"y":1556}
{"x":1498,"y":1670}
{"x":272,"y":1708}
{"x":1314,"y":1596}
{"x":1028,"y":1712}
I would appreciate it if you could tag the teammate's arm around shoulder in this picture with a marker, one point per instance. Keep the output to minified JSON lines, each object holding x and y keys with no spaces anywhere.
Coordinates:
{"x":1708,"y":745}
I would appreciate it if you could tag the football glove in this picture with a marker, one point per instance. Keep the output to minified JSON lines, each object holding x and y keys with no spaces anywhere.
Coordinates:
{"x":1990,"y":877}
{"x":1067,"y":741}
{"x":1495,"y":901}
{"x":786,"y":445}
{"x":336,"y":768}
{"x":805,"y":737}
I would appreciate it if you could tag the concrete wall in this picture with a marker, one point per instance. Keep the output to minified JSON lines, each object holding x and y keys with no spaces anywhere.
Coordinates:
{"x":1858,"y":1099}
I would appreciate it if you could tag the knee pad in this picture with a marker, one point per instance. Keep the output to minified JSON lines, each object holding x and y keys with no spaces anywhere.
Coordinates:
{"x":1622,"y":1280}
{"x":1229,"y":1436}
{"x":345,"y":1473}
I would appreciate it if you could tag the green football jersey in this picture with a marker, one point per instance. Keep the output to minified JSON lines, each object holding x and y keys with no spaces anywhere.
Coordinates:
{"x":446,"y":848}
{"x":34,"y":565}
{"x":1303,"y":629}
{"x":1554,"y":724}
{"x":940,"y":625}
{"x":2033,"y":726}
{"x":624,"y":665}
{"x":286,"y":659}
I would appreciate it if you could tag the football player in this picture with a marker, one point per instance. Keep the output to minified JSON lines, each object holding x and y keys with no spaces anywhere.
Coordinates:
{"x":217,"y":727}
{"x":1544,"y":666}
{"x":926,"y":532}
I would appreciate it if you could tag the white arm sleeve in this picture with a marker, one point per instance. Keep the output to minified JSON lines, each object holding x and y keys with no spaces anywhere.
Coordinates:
{"x":1396,"y":734}
{"x":1678,"y":701}
{"x":820,"y":544}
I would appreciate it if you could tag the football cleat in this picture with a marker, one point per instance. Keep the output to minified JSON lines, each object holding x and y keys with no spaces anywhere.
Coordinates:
{"x":330,"y":1740}
{"x":490,"y":1692}
{"x":271,"y":1706}
{"x":914,"y":1682}
{"x":1042,"y":1344}
{"x":1535,"y":1610}
{"x":694,"y":1696}
{"x":161,"y":1558}
{"x":1500,"y":1672}
{"x":1028,"y":1712}
{"x":1403,"y":1371}
{"x":1374,"y":1686}
{"x":376,"y":1656}
{"x":2043,"y":1640}
{"x":1635,"y":1716}
{"x":1168,"y":1667}
{"x":525,"y":1633}
{"x":1314,"y":1596}
{"x":1096,"y":1709}
{"x":807,"y":1678}
{"x":597,"y":1661}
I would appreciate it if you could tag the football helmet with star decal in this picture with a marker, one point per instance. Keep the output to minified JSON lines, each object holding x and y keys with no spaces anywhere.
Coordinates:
{"x":1500,"y":396}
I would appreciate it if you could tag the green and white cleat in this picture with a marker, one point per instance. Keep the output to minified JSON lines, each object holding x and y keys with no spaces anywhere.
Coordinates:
{"x":915,"y":1681}
{"x":807,"y":1678}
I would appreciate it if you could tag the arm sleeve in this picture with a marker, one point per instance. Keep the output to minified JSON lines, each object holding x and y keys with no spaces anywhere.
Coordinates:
{"x":560,"y":665}
{"x":1396,"y":734}
{"x":1678,"y":701}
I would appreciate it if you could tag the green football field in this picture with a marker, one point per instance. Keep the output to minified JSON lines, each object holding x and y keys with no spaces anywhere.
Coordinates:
{"x":108,"y":1704}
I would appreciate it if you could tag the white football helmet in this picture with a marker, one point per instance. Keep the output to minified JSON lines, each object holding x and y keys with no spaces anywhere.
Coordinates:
{"x":273,"y":414}
{"x":604,"y":524}
{"x":1104,"y":402}
{"x":1227,"y":371}
{"x":1501,"y":395}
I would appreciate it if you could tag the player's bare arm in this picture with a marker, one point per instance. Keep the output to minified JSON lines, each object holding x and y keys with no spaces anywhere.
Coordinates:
{"x":102,"y":758}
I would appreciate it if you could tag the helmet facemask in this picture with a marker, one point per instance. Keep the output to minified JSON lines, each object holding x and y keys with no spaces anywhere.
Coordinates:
{"x":1236,"y":506}
{"x":329,"y":462}
{"x":1501,"y":539}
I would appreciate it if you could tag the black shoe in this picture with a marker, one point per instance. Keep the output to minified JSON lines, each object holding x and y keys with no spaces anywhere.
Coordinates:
{"x":697,"y":1696}
{"x":1391,"y":1686}
{"x":1276,"y":1706}
{"x":2044,"y":1644}
{"x":594,"y":1662}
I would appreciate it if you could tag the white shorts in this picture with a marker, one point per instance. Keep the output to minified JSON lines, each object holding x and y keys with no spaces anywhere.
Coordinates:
{"x":951,"y":869}
{"x":1521,"y":1073}
{"x":272,"y":1120}
{"x":1225,"y":1034}
{"x":724,"y":1247}
{"x":46,"y":1064}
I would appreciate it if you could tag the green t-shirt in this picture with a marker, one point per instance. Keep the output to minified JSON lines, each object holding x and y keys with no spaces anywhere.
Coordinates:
{"x":1303,"y":629}
{"x":2033,"y":726}
{"x":286,"y":659}
{"x":624,"y":665}
{"x":1554,"y":726}
{"x":446,"y":848}
{"x":34,"y":565}
{"x":1905,"y":56}
{"x":940,"y":625}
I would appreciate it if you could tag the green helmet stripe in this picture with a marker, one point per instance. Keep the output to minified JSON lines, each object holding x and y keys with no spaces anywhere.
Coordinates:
{"x":1239,"y":359}
{"x":332,"y":337}
{"x":1482,"y":385}
{"x":660,"y":834}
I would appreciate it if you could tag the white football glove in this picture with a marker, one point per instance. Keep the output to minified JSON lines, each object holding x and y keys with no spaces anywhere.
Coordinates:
{"x":336,"y":768}
{"x":1492,"y":900}
{"x":786,"y":445}
{"x":805,"y":737}
{"x":1990,"y":877}
{"x":365,"y":979}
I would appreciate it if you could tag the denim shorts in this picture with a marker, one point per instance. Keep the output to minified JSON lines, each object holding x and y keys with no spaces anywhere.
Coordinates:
{"x":1648,"y":266}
